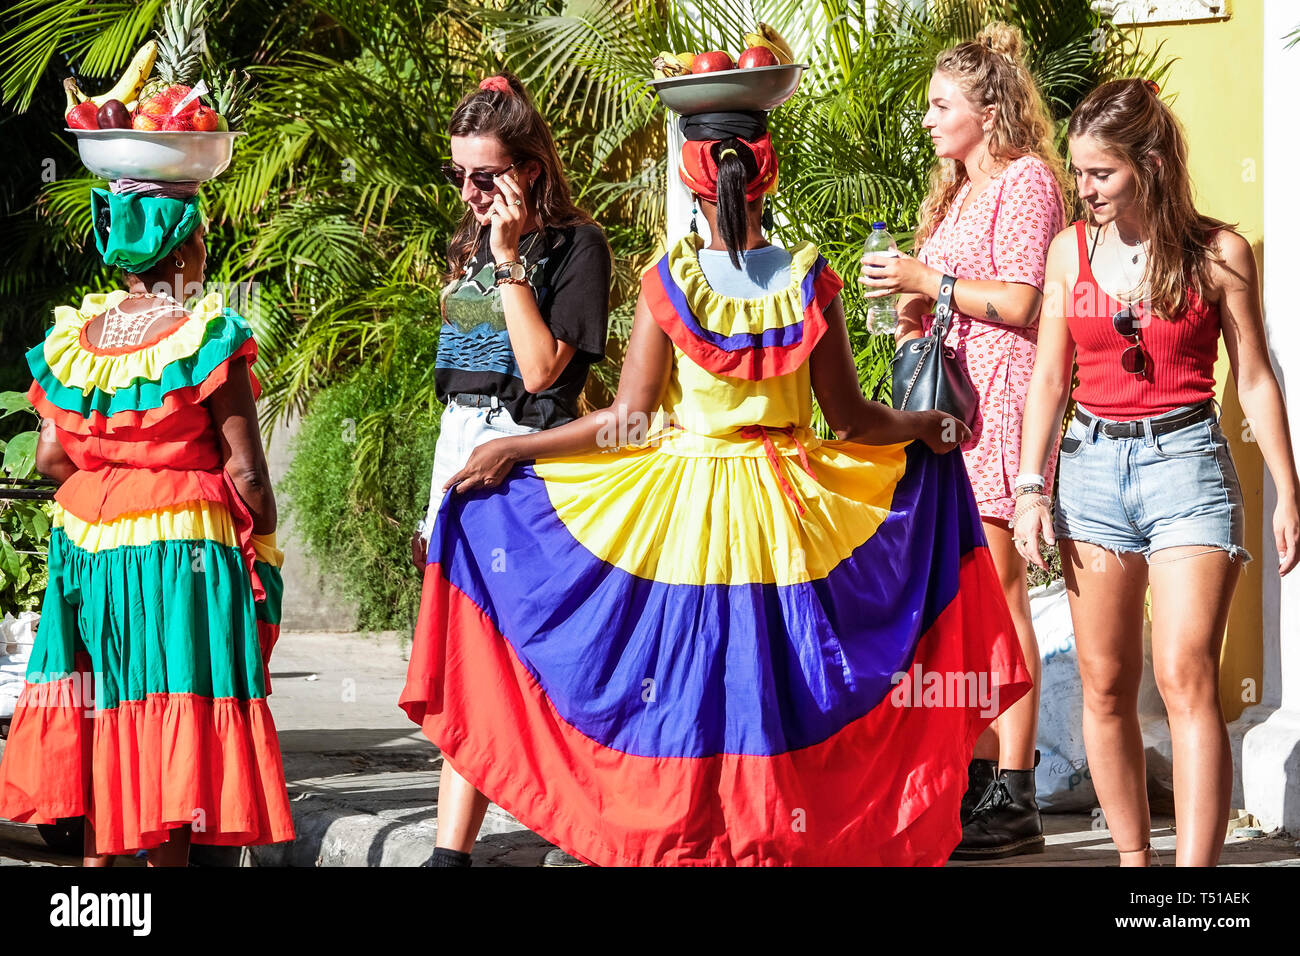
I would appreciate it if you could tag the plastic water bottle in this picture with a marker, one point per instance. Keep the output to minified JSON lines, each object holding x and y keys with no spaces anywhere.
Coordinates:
{"x":882,"y":313}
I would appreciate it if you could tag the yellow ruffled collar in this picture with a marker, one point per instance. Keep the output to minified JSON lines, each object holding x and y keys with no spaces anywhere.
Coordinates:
{"x":75,"y":366}
{"x":728,"y":315}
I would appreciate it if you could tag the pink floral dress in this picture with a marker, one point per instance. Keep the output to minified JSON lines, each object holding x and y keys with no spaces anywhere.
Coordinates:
{"x":1003,"y":235}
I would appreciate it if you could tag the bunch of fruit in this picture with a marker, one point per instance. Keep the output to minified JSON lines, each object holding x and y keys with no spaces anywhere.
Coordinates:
{"x":160,"y":89}
{"x":764,"y":47}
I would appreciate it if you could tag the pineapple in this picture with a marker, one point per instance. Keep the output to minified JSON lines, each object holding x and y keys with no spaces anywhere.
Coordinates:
{"x":181,"y":47}
{"x":230,"y":95}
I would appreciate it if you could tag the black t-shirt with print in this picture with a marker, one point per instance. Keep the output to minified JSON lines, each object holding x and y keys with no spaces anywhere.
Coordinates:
{"x":570,"y":275}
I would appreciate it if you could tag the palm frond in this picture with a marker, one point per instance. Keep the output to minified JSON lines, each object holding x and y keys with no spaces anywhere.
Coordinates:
{"x":92,"y":40}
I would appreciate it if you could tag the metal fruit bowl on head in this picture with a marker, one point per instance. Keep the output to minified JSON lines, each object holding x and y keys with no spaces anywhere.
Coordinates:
{"x":754,"y":88}
{"x":158,"y":156}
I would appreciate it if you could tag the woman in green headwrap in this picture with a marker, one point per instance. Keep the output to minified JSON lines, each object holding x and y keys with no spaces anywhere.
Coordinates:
{"x":145,"y":706}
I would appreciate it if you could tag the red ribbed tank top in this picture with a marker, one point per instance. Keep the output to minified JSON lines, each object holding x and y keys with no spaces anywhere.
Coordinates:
{"x":1180,"y":353}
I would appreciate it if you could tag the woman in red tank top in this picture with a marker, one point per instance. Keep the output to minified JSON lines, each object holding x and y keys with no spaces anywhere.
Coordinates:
{"x":1139,"y":294}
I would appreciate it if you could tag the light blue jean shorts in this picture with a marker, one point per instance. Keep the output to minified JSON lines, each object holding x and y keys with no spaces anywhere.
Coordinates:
{"x":1150,"y":492}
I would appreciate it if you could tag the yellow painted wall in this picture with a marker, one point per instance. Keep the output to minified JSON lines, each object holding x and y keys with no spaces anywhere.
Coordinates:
{"x":1216,"y":88}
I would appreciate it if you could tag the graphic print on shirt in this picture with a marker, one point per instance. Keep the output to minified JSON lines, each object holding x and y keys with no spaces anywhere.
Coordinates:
{"x":474,"y":336}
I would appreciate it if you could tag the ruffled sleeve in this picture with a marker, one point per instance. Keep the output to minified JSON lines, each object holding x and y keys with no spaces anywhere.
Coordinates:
{"x":751,"y":339}
{"x":86,"y":389}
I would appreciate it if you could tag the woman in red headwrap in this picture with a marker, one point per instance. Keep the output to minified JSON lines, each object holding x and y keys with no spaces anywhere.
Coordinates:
{"x":684,"y":629}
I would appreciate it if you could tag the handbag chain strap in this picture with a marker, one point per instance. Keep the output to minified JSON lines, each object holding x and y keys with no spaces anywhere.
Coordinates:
{"x":939,"y":331}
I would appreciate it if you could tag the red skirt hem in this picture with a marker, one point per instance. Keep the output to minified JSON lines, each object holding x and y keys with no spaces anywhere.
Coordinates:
{"x":884,"y":790}
{"x":144,"y":768}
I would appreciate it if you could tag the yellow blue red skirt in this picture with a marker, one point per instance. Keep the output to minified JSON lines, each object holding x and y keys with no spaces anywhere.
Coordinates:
{"x":649,"y":657}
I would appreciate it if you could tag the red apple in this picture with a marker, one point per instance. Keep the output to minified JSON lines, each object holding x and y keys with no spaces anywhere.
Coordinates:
{"x":712,"y":62}
{"x":756,"y":56}
{"x":205,"y":119}
{"x":83,"y":116}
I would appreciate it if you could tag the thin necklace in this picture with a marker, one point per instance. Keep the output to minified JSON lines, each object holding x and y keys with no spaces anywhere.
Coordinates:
{"x":1128,"y":293}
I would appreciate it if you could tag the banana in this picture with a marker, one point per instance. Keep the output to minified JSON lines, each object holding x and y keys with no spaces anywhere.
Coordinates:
{"x":766,"y":35}
{"x":667,"y":64}
{"x":75,"y":95}
{"x":127,"y":88}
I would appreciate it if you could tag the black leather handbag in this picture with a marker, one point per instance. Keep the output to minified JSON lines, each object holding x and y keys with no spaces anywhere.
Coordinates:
{"x":927,"y":374}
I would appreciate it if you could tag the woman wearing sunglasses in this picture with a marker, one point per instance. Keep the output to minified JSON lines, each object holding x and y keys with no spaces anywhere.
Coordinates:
{"x":526,"y":309}
{"x":1139,"y":293}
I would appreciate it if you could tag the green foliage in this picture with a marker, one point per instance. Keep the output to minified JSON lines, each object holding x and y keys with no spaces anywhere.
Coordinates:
{"x":24,"y":524}
{"x":102,"y":37}
{"x":335,"y":210}
{"x":851,"y":142}
{"x":359,"y":480}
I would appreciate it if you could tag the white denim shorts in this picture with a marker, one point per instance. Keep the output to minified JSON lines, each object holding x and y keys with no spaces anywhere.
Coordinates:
{"x":462,"y":430}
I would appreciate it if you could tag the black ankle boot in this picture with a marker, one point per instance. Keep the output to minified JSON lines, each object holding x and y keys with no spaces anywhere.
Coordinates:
{"x":1006,"y":822}
{"x":980,"y":774}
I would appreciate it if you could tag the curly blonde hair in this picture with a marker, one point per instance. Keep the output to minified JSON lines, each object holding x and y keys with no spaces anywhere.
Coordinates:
{"x":991,"y":71}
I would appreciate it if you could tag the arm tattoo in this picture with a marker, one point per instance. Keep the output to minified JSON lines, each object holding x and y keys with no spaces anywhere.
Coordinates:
{"x":991,"y":313}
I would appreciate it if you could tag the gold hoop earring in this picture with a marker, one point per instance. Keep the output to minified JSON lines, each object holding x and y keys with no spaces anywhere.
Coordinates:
{"x":180,"y":263}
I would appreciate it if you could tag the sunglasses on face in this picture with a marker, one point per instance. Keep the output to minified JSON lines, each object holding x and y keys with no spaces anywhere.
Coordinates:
{"x":484,"y":182}
{"x":1134,"y":358}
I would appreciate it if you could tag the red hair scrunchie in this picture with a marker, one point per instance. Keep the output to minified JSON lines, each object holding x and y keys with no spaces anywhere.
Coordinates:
{"x":699,"y":170}
{"x":496,"y":84}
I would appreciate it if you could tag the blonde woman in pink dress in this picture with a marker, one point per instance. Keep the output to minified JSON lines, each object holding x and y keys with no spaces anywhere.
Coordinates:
{"x":995,"y":202}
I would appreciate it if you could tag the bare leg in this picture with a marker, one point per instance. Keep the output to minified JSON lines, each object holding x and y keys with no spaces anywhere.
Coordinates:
{"x":1107,"y":595}
{"x":1017,"y":727}
{"x":1186,"y":636}
{"x":175,"y":852}
{"x":460,"y":810}
{"x":88,"y":855}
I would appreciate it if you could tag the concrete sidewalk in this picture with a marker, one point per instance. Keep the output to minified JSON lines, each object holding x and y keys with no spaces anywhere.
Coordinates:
{"x":363,"y":780}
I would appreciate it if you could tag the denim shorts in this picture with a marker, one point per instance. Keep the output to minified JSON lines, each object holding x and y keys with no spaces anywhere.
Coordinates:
{"x":1151,"y":492}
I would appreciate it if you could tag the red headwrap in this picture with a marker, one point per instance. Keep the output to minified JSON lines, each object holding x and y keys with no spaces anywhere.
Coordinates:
{"x":699,"y":170}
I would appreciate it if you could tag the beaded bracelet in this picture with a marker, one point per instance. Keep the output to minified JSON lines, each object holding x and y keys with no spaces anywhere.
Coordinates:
{"x":1033,"y":502}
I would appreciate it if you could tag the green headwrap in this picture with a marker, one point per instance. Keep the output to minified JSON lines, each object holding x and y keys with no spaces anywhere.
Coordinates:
{"x":134,"y":232}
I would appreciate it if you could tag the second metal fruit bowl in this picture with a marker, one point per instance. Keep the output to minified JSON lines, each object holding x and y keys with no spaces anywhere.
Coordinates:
{"x":754,"y":88}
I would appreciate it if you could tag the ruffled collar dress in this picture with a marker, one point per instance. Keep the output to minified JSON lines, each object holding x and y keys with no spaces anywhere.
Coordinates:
{"x":145,"y":707}
{"x":706,"y":649}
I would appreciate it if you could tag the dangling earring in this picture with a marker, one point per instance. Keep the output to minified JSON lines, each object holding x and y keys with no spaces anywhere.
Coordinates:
{"x":694,"y":211}
{"x":766,"y":222}
{"x":180,"y":263}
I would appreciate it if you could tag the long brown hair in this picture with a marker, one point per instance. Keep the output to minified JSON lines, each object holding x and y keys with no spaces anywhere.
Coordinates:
{"x":1128,"y":118}
{"x":991,"y":71}
{"x":514,"y":121}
